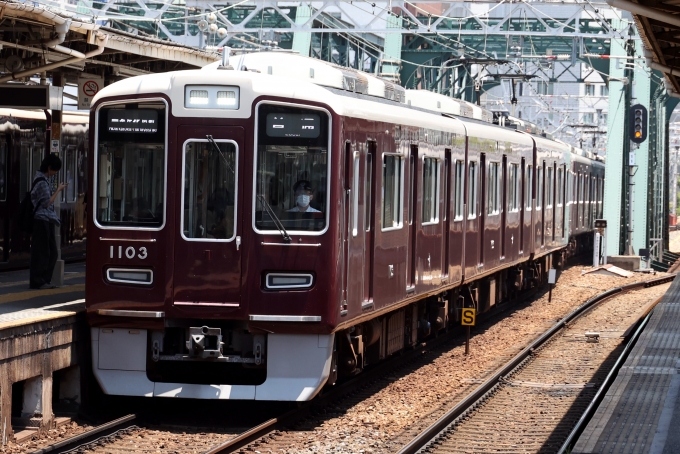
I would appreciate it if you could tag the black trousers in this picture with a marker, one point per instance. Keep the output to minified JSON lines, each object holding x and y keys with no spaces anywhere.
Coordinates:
{"x":43,"y":253}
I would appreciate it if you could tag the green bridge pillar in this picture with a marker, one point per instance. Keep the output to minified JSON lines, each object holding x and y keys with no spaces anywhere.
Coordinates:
{"x":616,"y":178}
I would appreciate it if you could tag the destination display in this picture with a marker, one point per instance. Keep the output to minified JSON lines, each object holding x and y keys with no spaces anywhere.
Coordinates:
{"x":137,"y":120}
{"x":307,"y":126}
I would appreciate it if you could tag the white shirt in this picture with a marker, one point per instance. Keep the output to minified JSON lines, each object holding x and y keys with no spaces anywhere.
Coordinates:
{"x":308,"y":210}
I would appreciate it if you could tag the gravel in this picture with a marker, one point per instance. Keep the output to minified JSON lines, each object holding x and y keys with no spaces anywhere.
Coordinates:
{"x":388,"y":416}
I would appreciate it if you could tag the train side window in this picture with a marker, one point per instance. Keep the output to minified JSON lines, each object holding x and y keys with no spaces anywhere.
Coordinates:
{"x":513,"y":200}
{"x":69,"y":168}
{"x":458,"y":190}
{"x":209,"y":190}
{"x":24,"y":170}
{"x":472,"y":190}
{"x":392,"y":182}
{"x":560,"y":192}
{"x":493,"y":202}
{"x":355,"y":197}
{"x":368,"y":190}
{"x":539,"y":188}
{"x":549,"y":188}
{"x":37,"y":154}
{"x":3,"y":171}
{"x":82,"y":172}
{"x":529,"y":185}
{"x":411,"y":182}
{"x":430,"y":191}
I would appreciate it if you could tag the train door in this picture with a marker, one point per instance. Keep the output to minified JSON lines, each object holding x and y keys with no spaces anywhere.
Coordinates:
{"x":456,"y":234}
{"x":4,"y":209}
{"x":470,"y":214}
{"x":447,"y":213}
{"x":540,"y":209}
{"x":412,"y":224}
{"x":369,"y":220}
{"x":482,"y":207}
{"x":504,"y":203}
{"x":428,"y":222}
{"x":357,"y":273}
{"x":549,"y":209}
{"x":208,"y":249}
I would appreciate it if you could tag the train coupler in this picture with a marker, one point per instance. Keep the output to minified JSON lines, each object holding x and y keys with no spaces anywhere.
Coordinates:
{"x":205,"y":342}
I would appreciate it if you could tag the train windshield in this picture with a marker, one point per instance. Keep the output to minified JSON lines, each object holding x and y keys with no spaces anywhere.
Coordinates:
{"x":292,"y":169}
{"x":131,"y":165}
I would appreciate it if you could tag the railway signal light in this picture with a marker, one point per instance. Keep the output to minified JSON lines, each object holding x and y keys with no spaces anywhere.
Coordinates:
{"x":638,"y":123}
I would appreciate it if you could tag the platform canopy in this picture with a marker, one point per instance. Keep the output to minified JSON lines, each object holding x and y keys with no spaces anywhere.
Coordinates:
{"x":658,"y":22}
{"x":40,"y":41}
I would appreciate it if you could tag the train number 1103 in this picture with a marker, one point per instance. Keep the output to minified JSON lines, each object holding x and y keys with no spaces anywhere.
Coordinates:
{"x":129,"y":252}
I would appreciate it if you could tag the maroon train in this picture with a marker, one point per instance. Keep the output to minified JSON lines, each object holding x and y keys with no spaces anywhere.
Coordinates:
{"x":23,"y":146}
{"x":260,"y":232}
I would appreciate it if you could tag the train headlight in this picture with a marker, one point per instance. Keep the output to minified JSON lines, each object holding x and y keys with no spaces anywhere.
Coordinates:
{"x":129,"y":276}
{"x":211,"y":97}
{"x":276,"y":281}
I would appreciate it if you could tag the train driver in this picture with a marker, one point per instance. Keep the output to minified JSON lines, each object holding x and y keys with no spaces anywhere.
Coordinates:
{"x":303,"y":198}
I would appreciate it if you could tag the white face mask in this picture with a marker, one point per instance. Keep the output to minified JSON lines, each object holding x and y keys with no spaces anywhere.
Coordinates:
{"x":302,"y":200}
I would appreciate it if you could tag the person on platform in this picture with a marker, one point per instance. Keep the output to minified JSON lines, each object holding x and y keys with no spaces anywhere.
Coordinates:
{"x":303,"y":198}
{"x":43,"y":242}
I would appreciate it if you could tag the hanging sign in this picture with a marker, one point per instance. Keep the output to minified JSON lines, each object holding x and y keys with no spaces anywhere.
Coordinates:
{"x":88,"y":87}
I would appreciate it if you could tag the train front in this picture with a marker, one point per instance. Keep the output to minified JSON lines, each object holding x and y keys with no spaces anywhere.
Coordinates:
{"x":213,"y":247}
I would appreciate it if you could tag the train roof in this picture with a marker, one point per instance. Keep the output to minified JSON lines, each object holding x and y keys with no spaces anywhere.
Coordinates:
{"x":347,"y":91}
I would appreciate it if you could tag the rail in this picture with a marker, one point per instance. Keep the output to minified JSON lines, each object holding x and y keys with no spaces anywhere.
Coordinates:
{"x":480,"y":392}
{"x":77,"y":441}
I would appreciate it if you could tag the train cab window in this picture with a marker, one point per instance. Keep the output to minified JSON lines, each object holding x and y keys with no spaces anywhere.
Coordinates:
{"x":291,"y":169}
{"x":459,"y":180}
{"x":430,"y":191}
{"x":3,"y":171}
{"x":393,"y":175}
{"x":513,"y":187}
{"x":472,"y":190}
{"x":209,"y":190}
{"x":529,"y":186}
{"x":131,"y":165}
{"x":493,"y":203}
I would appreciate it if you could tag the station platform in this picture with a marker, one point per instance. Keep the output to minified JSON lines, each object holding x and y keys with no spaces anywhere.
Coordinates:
{"x":641,"y":411}
{"x":19,"y":302}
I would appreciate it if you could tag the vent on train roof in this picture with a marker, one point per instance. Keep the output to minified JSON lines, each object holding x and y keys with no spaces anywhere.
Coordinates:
{"x":395,"y":92}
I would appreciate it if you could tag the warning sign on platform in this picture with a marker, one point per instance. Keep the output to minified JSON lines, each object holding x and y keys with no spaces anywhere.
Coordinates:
{"x":468,"y":317}
{"x":88,"y":87}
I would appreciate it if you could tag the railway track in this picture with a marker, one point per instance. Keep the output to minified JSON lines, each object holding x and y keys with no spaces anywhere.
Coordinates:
{"x":131,"y":434}
{"x":274,"y":435}
{"x":540,"y":399}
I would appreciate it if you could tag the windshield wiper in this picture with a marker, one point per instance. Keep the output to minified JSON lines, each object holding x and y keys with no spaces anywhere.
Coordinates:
{"x":214,"y":144}
{"x":277,"y":222}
